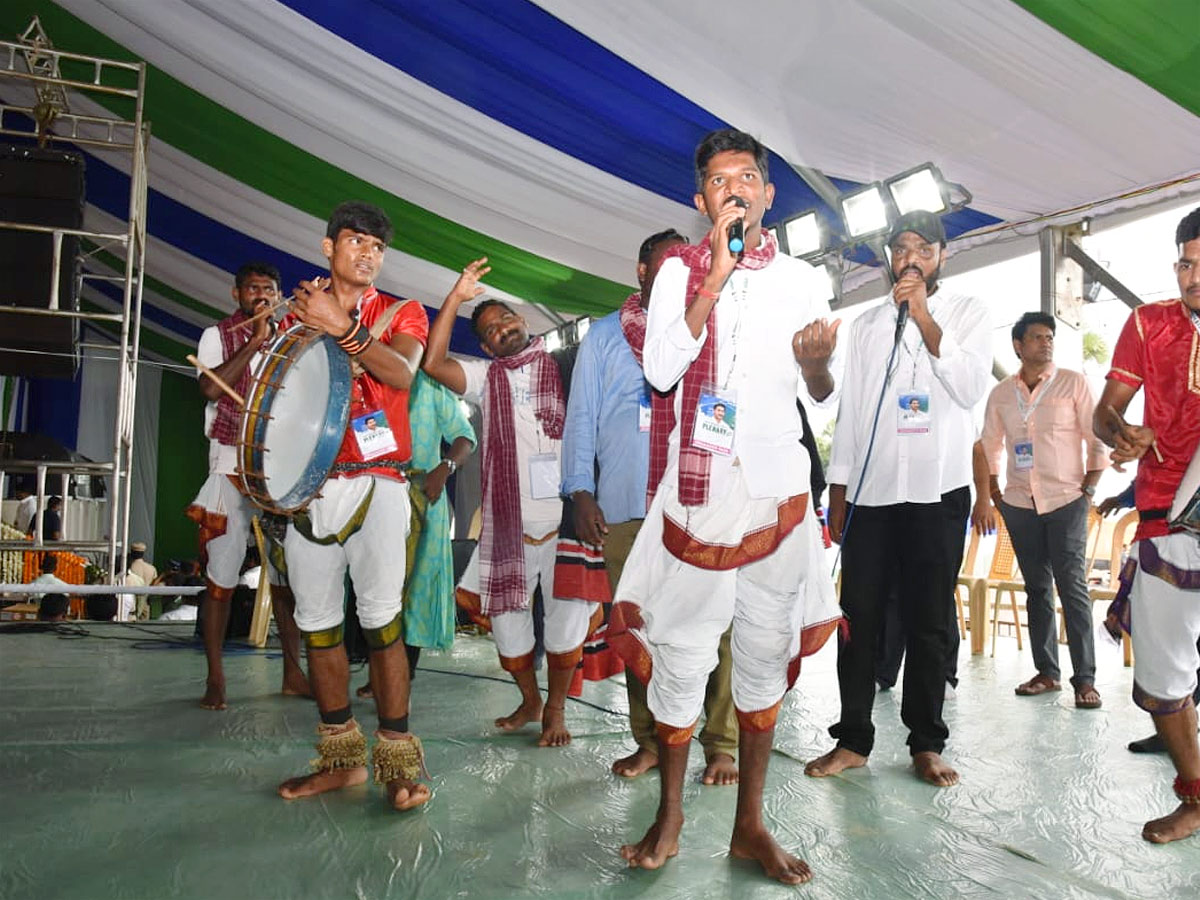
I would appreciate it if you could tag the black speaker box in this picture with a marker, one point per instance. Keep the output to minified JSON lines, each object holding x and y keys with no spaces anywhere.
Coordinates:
{"x":38,"y":187}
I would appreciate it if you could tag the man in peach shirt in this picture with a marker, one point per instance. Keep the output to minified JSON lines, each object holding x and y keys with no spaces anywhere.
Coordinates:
{"x":1044,"y":416}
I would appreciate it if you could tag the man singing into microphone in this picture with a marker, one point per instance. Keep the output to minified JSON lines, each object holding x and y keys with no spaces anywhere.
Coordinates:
{"x":909,"y":501}
{"x":731,"y":534}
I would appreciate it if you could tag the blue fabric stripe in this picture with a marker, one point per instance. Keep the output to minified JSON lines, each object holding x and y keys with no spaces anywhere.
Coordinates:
{"x":513,"y":61}
{"x":207,"y":239}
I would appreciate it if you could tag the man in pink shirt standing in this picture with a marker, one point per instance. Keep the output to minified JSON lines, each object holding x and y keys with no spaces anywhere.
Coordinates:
{"x":1043,"y":415}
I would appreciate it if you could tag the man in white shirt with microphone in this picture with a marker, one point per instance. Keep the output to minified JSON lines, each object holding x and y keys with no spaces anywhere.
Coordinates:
{"x":899,"y":495}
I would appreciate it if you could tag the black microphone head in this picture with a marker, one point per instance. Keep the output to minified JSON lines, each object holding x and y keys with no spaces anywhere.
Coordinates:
{"x":738,"y":201}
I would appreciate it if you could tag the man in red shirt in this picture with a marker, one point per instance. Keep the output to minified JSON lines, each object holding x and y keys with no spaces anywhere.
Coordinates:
{"x":360,"y":518}
{"x":1159,"y":350}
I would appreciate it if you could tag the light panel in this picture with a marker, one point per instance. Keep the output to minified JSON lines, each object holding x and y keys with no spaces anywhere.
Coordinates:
{"x":864,"y":211}
{"x":803,"y":234}
{"x":920,"y":188}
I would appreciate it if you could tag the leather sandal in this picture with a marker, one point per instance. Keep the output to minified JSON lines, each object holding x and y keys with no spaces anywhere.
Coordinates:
{"x":1038,"y":684}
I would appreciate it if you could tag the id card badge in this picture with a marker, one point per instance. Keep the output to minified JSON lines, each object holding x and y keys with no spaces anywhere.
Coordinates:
{"x":374,"y":435}
{"x":644,"y":409}
{"x":543,"y":476}
{"x":716,"y":421}
{"x":1023,"y":453}
{"x":913,"y":411}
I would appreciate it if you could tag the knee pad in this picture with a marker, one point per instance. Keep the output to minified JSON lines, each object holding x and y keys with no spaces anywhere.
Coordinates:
{"x":383,"y":637}
{"x":325,"y":639}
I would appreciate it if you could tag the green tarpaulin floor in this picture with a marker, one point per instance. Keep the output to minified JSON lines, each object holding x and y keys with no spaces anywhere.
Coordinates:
{"x":115,"y":784}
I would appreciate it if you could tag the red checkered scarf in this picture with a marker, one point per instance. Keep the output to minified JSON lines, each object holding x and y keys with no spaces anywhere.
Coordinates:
{"x":502,"y":548}
{"x":694,"y":463}
{"x":224,"y":428}
{"x":633,"y":324}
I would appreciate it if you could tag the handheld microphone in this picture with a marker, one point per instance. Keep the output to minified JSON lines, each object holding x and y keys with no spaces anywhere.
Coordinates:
{"x":901,"y":320}
{"x":737,"y":231}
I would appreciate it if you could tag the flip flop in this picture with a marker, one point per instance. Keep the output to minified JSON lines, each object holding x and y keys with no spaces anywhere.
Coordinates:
{"x":1087,"y":697}
{"x":1038,"y":684}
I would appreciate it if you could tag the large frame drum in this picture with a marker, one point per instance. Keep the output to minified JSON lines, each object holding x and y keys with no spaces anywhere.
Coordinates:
{"x":294,"y":419}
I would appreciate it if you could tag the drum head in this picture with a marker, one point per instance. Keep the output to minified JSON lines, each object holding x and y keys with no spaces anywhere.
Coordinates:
{"x":305,"y":405}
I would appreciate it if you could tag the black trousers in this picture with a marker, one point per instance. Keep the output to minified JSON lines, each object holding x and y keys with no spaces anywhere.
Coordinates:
{"x":890,"y":653}
{"x":916,"y":548}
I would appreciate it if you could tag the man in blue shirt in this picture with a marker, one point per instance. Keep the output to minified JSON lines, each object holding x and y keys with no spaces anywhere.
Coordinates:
{"x":608,"y":431}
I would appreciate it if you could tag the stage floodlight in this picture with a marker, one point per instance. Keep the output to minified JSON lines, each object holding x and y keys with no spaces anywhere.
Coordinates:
{"x":804,"y":235}
{"x":919,"y":188}
{"x":553,"y":340}
{"x":582,"y":324}
{"x":864,"y":211}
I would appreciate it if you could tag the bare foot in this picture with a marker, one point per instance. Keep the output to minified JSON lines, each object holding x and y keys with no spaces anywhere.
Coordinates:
{"x":1178,"y":825}
{"x":521,"y":716}
{"x":214,"y":696}
{"x":721,"y":769}
{"x":932,"y":768}
{"x":757,"y":844}
{"x":554,"y":728}
{"x":320,"y":782}
{"x":660,"y":844}
{"x":365,"y":691}
{"x":837,"y":760}
{"x":404,"y":794}
{"x":635,"y":764}
{"x":296,"y":685}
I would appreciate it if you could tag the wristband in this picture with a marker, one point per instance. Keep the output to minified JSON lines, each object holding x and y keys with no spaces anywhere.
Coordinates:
{"x":450,"y":464}
{"x":357,"y":340}
{"x":706,"y":295}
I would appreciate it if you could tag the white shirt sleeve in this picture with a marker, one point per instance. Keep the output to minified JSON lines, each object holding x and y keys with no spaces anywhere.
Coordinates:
{"x":209,"y":350}
{"x":475,"y":373}
{"x":670,"y":347}
{"x":845,"y":448}
{"x":965,"y":365}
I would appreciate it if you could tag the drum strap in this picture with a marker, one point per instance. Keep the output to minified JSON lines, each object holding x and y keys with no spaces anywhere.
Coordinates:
{"x":377,"y":330}
{"x":1147,"y":515}
{"x":303,"y":523}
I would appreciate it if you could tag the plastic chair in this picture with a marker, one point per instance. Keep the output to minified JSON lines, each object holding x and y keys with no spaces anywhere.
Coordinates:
{"x":967,"y":581}
{"x":1003,"y":578}
{"x":1121,"y":535}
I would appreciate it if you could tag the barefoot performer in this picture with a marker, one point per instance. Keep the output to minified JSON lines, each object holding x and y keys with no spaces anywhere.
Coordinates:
{"x":359,"y":520}
{"x":524,"y":405}
{"x":606,"y":462}
{"x":229,"y":349}
{"x":729,"y":536}
{"x":1159,"y":600}
{"x":911,"y":497}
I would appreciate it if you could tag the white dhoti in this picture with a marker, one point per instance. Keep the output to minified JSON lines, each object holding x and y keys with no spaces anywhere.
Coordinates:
{"x":220,"y":499}
{"x":1164,"y":610}
{"x":374,"y":554}
{"x":566,"y":622}
{"x":773,"y":590}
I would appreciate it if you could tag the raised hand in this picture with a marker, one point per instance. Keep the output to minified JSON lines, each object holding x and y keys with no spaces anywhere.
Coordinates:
{"x":467,"y":287}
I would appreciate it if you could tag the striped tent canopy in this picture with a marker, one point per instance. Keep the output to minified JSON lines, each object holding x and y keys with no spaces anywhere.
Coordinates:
{"x":553,"y":136}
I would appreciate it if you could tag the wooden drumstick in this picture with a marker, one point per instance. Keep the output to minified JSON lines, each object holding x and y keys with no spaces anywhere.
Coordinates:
{"x":217,"y":380}
{"x":265,"y":311}
{"x":274,"y":306}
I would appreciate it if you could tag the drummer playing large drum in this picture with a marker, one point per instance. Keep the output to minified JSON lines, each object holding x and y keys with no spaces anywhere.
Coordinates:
{"x":1159,"y":350}
{"x":228,"y":349}
{"x":360,"y":517}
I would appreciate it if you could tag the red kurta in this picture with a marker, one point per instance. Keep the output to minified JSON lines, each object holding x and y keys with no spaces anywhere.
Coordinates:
{"x":370,"y":394}
{"x":1159,"y":349}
